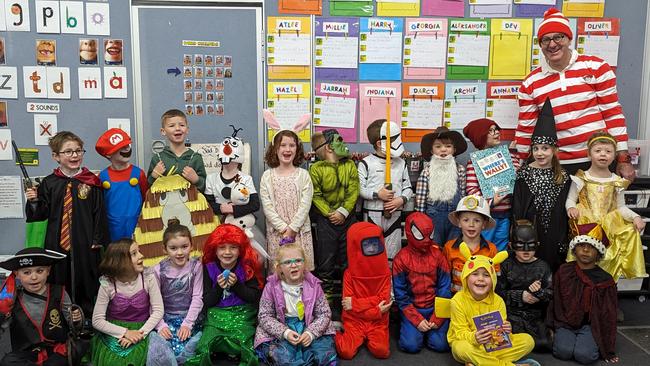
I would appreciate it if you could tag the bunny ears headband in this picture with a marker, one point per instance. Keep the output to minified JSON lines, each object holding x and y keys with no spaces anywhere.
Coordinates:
{"x":301,"y":124}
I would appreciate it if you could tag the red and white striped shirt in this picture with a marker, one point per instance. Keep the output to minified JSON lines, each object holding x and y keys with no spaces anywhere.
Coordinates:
{"x":584,"y":100}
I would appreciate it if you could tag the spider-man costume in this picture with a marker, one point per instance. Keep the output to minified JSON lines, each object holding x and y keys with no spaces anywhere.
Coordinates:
{"x":420,"y":273}
{"x":367,"y":282}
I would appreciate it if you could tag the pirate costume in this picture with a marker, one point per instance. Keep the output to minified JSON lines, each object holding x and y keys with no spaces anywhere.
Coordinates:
{"x":38,"y":322}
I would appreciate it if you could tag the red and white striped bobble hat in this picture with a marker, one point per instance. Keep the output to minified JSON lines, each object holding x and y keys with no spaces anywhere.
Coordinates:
{"x":554,"y":22}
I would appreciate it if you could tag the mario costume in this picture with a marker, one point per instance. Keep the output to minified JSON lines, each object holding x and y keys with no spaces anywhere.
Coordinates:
{"x":125,"y":189}
{"x":39,"y":322}
{"x":367,"y":282}
{"x":420,"y":274}
{"x":464,"y":308}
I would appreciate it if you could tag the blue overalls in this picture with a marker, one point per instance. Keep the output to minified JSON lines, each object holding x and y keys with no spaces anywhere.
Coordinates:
{"x":123,"y":203}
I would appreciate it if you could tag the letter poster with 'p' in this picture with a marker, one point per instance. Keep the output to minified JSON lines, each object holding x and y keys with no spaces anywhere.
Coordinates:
{"x":495,"y":171}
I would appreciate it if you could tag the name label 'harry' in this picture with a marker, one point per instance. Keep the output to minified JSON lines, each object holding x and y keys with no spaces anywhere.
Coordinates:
{"x":384,"y":24}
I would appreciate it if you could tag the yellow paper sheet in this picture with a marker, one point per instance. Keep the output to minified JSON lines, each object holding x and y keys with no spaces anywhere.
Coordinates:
{"x":574,"y":8}
{"x":287,"y":72}
{"x":284,"y":109}
{"x":510,"y":49}
{"x":398,"y":8}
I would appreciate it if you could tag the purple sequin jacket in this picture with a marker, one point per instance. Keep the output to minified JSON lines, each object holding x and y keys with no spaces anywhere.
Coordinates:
{"x":270,"y":319}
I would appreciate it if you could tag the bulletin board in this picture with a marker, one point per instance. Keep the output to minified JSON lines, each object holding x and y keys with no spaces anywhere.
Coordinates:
{"x":87,"y":118}
{"x":630,"y":55}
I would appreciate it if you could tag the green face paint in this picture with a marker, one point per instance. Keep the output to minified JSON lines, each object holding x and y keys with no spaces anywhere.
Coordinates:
{"x":336,"y":142}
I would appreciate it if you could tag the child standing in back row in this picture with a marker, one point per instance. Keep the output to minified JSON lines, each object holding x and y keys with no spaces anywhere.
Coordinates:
{"x":286,"y":193}
{"x":597,"y":196}
{"x":177,"y":158}
{"x":442,"y":181}
{"x":485,"y":133}
{"x":383,"y":206}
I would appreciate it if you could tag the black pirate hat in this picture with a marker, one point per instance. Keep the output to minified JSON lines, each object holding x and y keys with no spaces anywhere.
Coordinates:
{"x":545,"y":132}
{"x":32,"y":257}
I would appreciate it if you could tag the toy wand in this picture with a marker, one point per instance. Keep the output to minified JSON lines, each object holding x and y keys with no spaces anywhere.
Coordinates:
{"x":387,"y":181}
{"x":27,"y":182}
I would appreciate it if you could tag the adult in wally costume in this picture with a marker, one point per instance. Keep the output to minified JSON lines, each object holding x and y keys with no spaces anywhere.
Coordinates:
{"x":366,"y":293}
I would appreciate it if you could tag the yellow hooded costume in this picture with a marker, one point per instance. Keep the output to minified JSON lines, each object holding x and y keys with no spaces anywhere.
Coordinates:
{"x":462,"y":309}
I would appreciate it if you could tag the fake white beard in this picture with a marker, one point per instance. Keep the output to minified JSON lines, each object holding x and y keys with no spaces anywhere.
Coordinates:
{"x":443,"y":179}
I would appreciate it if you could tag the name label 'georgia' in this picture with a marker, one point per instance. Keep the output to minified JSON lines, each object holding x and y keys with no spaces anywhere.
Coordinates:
{"x":425,"y":26}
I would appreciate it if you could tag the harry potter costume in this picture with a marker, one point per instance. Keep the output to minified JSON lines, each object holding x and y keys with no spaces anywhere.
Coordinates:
{"x":88,"y":227}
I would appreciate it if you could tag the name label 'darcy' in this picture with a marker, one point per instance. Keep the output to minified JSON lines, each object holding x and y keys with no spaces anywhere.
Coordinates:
{"x":598,"y":26}
{"x":378,"y":23}
{"x":335,"y":27}
{"x":381,"y":92}
{"x":285,"y":89}
{"x":337,"y":89}
{"x":465,"y":90}
{"x":504,"y":90}
{"x":466,"y":25}
{"x":425,"y":26}
{"x":429,"y":90}
{"x":290,"y":24}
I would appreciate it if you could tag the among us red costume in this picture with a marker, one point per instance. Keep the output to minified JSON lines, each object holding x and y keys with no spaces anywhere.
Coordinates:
{"x":367,"y":282}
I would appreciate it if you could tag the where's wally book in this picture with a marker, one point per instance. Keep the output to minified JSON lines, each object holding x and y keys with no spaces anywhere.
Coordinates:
{"x":494,"y":170}
{"x":494,"y":321}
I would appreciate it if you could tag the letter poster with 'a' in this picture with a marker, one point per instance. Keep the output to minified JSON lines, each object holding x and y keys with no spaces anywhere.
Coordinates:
{"x":494,"y":170}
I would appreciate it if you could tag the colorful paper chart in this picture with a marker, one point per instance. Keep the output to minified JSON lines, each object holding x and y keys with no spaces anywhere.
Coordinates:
{"x":380,"y":49}
{"x":464,"y":102}
{"x":337,"y":48}
{"x":373,"y":98}
{"x":509,"y":47}
{"x":289,"y":47}
{"x":402,"y":8}
{"x":502,"y":105}
{"x":288,"y":101}
{"x":300,"y":7}
{"x":351,"y":8}
{"x":335,"y":106}
{"x":583,"y":8}
{"x":490,"y":8}
{"x":425,"y":48}
{"x":422,"y":108}
{"x":599,"y":37}
{"x":468,"y":49}
{"x":443,"y":8}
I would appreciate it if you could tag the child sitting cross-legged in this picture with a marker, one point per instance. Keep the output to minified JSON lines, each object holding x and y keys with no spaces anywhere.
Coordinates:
{"x":294,"y":318}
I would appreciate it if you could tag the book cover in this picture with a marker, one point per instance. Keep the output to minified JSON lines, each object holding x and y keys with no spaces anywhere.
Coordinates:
{"x":494,"y":170}
{"x":500,"y":339}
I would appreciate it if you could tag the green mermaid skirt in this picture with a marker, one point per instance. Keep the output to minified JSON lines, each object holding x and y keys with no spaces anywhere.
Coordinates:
{"x":106,"y":349}
{"x":227,"y":331}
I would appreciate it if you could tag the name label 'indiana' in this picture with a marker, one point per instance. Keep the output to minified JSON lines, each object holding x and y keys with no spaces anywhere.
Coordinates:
{"x":336,"y":89}
{"x":429,"y":90}
{"x":378,"y":23}
{"x":288,"y":89}
{"x":598,"y":26}
{"x":292,"y":25}
{"x":511,"y":26}
{"x":466,"y":25}
{"x":425,"y":26}
{"x":381,"y":92}
{"x":465,"y":90}
{"x":335,"y":27}
{"x":504,"y":90}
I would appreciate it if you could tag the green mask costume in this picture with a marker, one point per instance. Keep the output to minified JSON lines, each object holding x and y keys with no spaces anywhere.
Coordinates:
{"x":335,"y":140}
